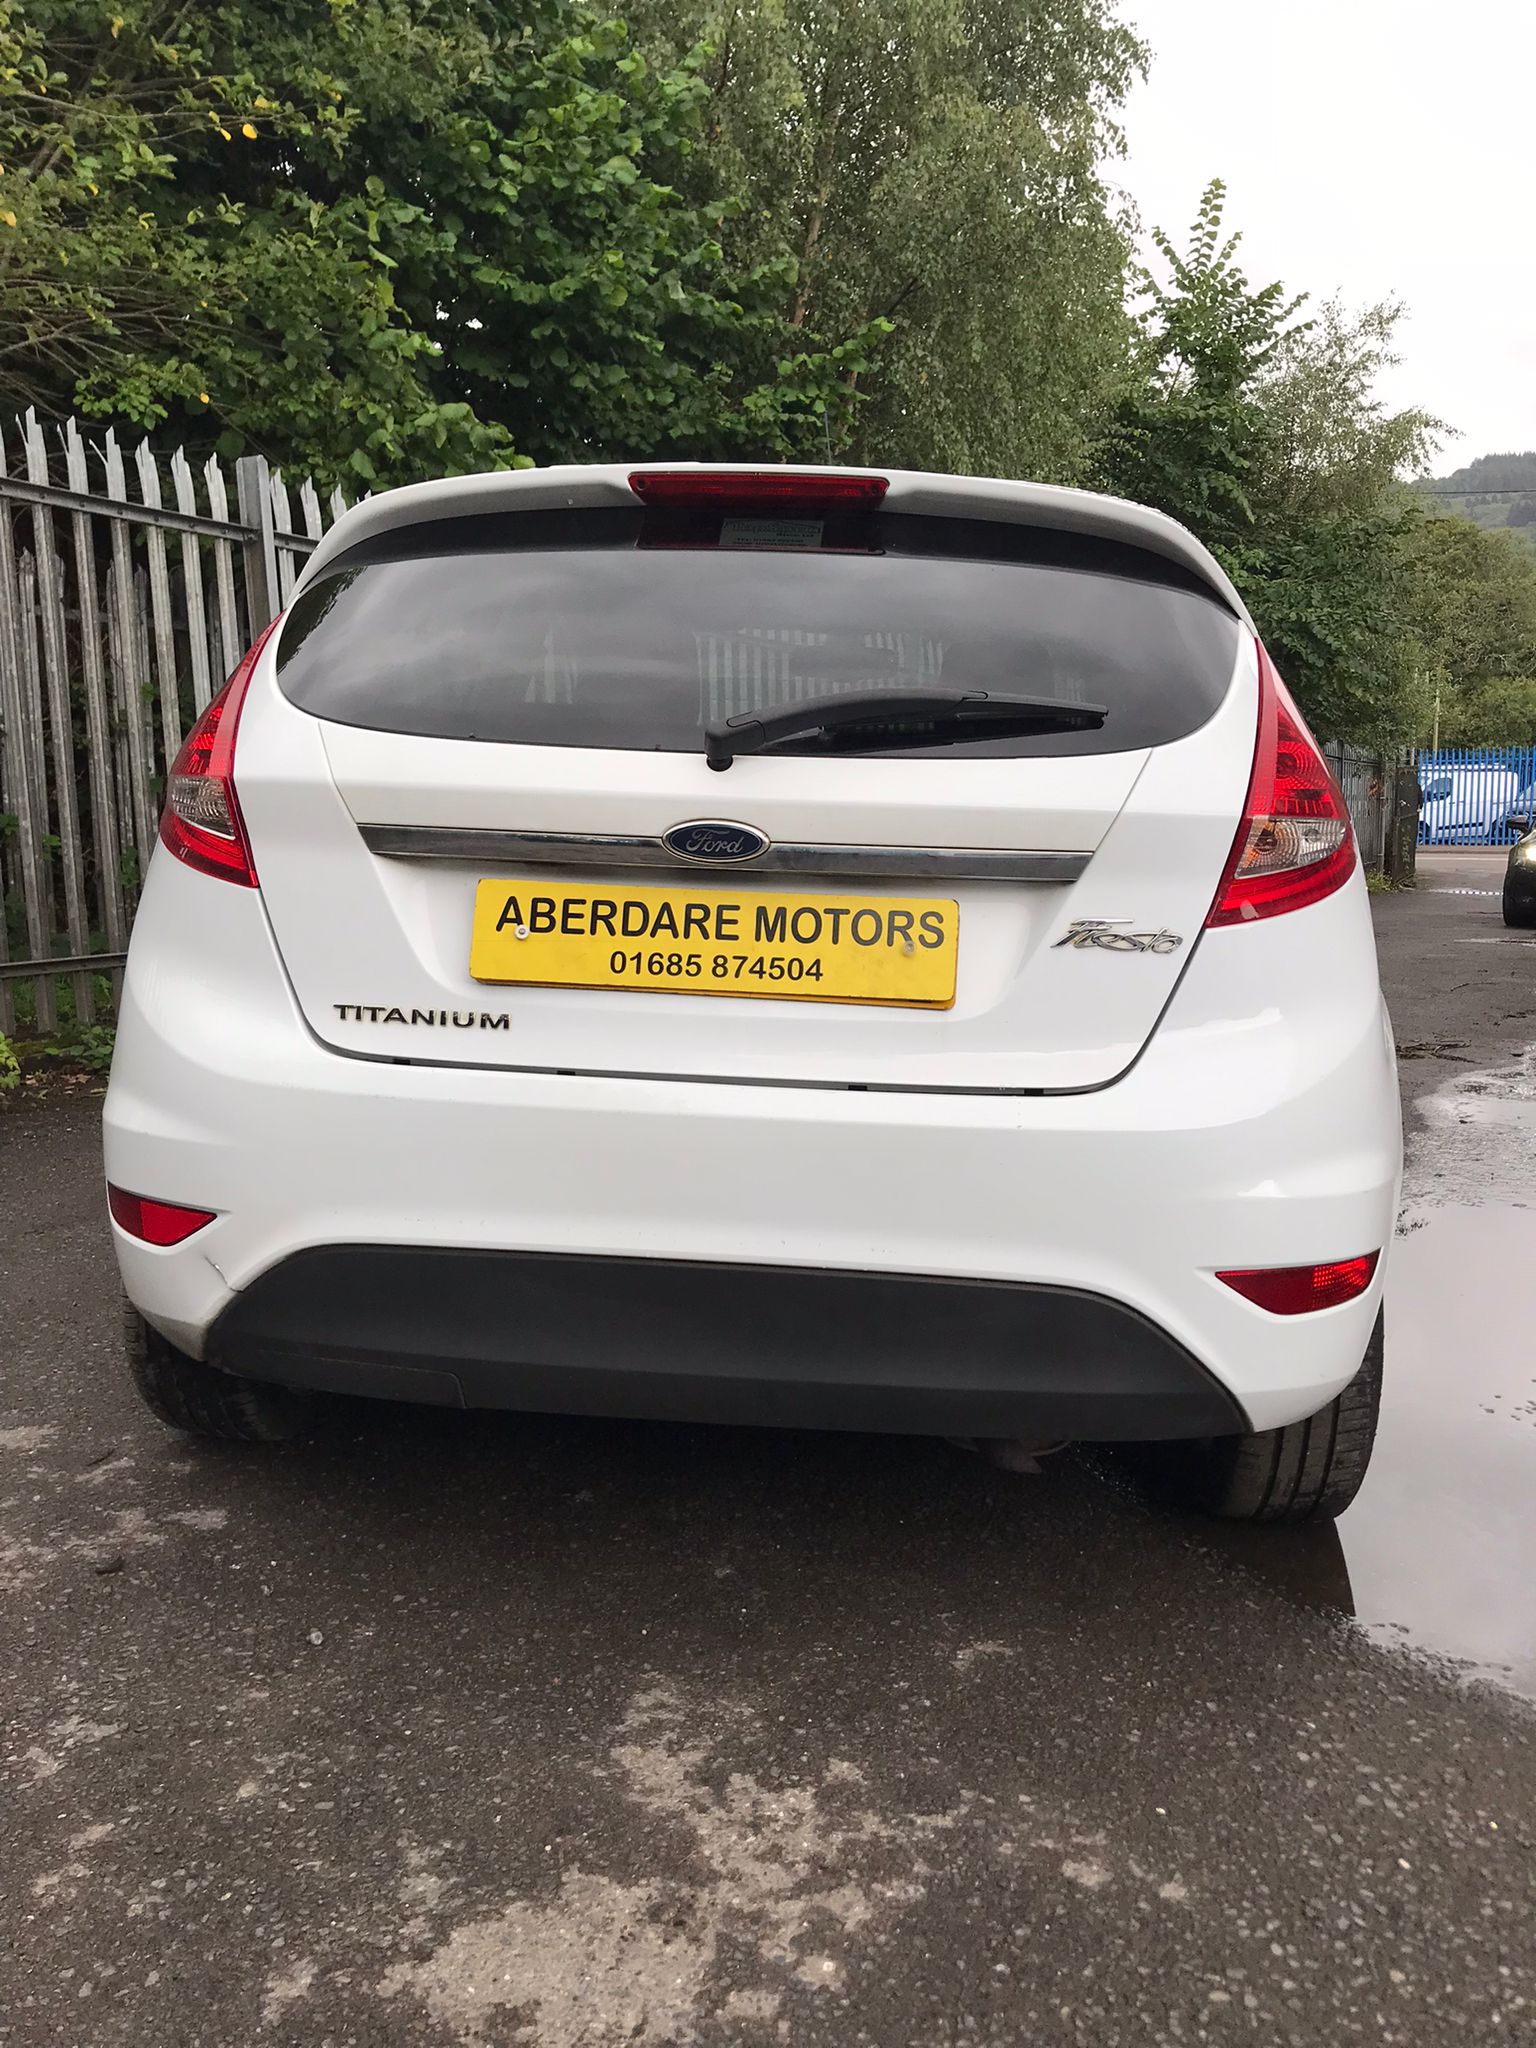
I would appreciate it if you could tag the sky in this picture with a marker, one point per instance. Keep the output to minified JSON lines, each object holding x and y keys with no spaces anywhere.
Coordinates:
{"x":1371,"y":148}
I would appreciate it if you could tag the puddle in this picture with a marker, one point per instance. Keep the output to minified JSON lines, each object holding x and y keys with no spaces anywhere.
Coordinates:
{"x":1474,"y":1142}
{"x":1439,"y":1551}
{"x":1440,"y":1548}
{"x":1438,"y":1554}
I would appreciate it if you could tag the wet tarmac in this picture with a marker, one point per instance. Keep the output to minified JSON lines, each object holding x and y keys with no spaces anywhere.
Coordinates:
{"x":474,"y":1732}
{"x":1439,"y":1551}
{"x":1441,"y":1545}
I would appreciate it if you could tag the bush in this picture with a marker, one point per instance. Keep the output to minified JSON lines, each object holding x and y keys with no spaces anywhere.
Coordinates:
{"x":87,"y":1047}
{"x":1500,"y":714}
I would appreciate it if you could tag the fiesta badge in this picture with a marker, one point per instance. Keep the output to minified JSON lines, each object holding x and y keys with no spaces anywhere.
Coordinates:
{"x":714,"y":839}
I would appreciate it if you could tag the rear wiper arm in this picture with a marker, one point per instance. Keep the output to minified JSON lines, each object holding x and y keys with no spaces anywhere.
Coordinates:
{"x":872,"y":721}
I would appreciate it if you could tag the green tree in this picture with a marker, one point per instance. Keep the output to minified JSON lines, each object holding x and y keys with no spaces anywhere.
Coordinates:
{"x":395,"y":236}
{"x":934,"y":164}
{"x":1468,"y":609}
{"x":139,"y":279}
{"x":1189,"y":434}
{"x":1258,"y":430}
{"x":1330,"y":447}
{"x":1502,"y":714}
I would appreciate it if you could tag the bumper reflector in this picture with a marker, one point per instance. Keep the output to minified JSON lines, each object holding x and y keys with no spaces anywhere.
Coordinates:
{"x":154,"y":1222}
{"x":1298,"y":1290}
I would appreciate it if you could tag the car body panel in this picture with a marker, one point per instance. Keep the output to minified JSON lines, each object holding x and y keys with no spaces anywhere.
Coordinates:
{"x":921,"y":492}
{"x":1250,"y":1132}
{"x":1102,"y":1123}
{"x":363,"y":935}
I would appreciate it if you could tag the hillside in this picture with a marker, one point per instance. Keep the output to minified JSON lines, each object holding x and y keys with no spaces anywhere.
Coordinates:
{"x":1495,"y":490}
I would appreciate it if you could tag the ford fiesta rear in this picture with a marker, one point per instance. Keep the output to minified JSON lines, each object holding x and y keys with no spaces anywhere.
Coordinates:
{"x":794,"y":947}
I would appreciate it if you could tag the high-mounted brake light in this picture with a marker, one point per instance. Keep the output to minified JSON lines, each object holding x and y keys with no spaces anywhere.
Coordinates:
{"x":201,"y":822}
{"x":1295,"y":845}
{"x":161,"y":1223}
{"x":774,"y":489}
{"x":1299,"y":1290}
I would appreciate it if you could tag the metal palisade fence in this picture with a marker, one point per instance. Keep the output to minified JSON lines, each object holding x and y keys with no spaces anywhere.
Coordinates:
{"x":1476,"y":796}
{"x":130,"y":584}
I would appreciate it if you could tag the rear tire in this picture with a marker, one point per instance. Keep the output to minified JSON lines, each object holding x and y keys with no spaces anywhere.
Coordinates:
{"x":201,"y":1400}
{"x":1519,"y":909}
{"x":1307,"y":1471}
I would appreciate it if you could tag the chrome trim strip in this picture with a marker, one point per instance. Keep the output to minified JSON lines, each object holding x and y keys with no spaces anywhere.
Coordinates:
{"x":604,"y":850}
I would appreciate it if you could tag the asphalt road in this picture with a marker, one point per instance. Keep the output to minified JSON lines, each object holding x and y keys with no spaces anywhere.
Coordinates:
{"x":454,"y":1730}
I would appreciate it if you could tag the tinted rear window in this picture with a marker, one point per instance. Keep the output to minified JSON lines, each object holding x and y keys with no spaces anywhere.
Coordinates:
{"x":582,"y":629}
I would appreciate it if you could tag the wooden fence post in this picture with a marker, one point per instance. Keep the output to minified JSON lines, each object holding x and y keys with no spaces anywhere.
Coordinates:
{"x":111,"y":638}
{"x":129,"y":675}
{"x":55,"y":648}
{"x":21,"y":782}
{"x":253,"y":483}
{"x":98,"y":716}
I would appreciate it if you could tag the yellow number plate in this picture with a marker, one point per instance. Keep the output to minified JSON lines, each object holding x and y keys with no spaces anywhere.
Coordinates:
{"x":716,"y":942}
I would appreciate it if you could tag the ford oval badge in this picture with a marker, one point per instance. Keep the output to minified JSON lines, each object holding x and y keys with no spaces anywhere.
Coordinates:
{"x":713,"y":839}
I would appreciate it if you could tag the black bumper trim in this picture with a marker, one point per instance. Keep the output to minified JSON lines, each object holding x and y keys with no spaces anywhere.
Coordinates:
{"x":796,"y":1347}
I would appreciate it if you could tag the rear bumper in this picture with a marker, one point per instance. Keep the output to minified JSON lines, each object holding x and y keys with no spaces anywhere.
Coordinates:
{"x":1259,"y":1127}
{"x":685,"y":1341}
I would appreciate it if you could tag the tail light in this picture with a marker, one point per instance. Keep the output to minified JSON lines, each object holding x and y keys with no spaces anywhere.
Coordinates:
{"x":1295,"y":845}
{"x":201,"y":822}
{"x":1298,"y":1290}
{"x":152,"y":1222}
{"x":769,"y":490}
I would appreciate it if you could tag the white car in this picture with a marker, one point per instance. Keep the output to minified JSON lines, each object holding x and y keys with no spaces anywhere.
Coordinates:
{"x":780,"y":946}
{"x":1471,"y":803}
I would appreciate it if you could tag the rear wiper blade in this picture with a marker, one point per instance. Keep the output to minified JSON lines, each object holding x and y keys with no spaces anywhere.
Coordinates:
{"x":871,"y":721}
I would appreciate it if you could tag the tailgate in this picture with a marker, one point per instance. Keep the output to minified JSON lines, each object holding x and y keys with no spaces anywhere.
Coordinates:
{"x":486,"y":831}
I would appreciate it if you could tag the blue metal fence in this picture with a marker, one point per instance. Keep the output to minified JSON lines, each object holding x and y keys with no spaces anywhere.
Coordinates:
{"x":1476,"y":796}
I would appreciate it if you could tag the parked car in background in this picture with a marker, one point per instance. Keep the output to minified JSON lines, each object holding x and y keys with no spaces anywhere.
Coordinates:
{"x":1468,"y":803}
{"x":1520,"y":881}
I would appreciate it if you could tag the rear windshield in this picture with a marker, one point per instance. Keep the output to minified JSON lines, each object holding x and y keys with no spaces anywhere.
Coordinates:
{"x":595,"y":629}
